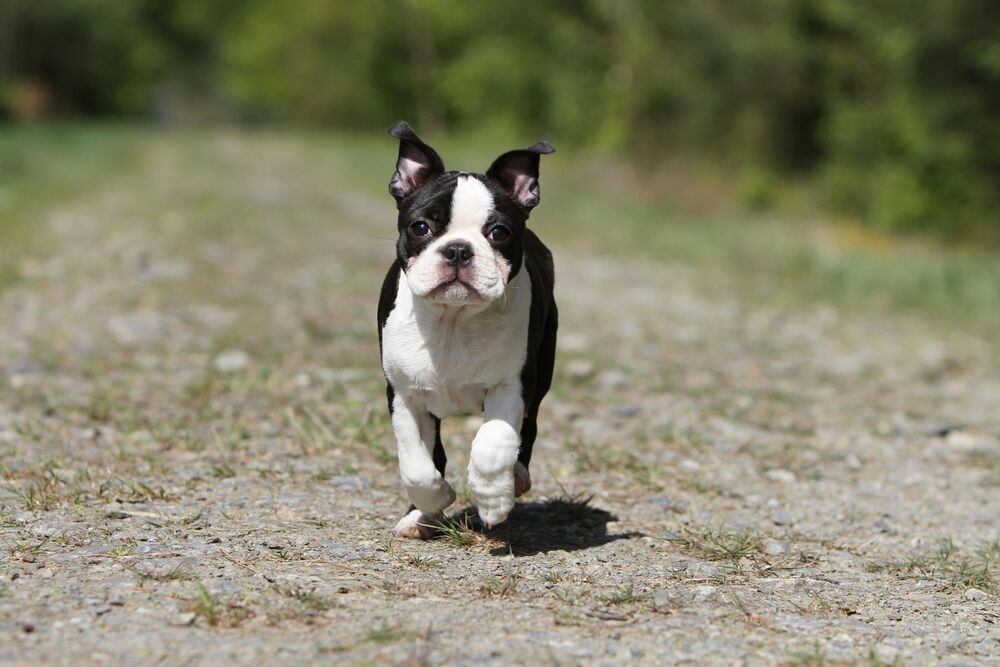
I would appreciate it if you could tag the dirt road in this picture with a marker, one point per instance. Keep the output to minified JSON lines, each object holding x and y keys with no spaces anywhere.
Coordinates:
{"x":197,"y":467}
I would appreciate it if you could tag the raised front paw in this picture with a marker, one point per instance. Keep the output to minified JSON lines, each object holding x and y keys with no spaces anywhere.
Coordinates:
{"x":431,"y":494}
{"x":494,"y":494}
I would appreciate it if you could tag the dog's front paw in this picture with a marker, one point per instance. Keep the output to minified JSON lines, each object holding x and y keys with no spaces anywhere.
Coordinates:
{"x":494,"y":494}
{"x":431,"y":494}
{"x":418,"y":526}
{"x":491,"y":470}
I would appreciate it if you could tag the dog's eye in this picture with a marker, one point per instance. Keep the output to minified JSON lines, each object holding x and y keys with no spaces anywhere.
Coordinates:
{"x":420,"y":228}
{"x":498,"y":233}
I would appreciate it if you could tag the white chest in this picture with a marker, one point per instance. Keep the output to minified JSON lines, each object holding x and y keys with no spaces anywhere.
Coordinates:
{"x":449,"y":357}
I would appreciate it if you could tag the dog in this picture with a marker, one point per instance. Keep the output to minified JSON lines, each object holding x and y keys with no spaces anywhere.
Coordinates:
{"x":467,"y":323}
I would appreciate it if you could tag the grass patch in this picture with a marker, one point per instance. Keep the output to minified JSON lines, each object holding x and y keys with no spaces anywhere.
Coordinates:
{"x":719,"y":544}
{"x":214,"y":611}
{"x":954,"y":570}
{"x":624,"y":595}
{"x":43,"y":165}
{"x":502,"y":585}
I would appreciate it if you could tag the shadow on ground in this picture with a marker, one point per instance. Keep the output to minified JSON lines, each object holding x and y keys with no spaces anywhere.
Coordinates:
{"x":554,"y":524}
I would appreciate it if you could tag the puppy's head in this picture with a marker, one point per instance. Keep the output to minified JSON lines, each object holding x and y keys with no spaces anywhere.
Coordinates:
{"x":460,"y":234}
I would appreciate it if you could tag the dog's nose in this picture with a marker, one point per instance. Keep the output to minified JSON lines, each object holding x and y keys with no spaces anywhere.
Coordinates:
{"x":457,"y":253}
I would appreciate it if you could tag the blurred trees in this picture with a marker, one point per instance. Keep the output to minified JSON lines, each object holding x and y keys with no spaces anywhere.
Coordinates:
{"x":893,"y":105}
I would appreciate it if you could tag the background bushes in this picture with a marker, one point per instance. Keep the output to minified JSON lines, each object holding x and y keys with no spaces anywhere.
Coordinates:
{"x":891,"y":106}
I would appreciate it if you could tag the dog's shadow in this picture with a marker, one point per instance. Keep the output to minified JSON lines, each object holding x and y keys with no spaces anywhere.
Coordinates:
{"x":554,"y":524}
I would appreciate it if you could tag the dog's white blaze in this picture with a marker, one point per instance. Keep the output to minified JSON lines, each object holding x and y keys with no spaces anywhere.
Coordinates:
{"x":471,"y":205}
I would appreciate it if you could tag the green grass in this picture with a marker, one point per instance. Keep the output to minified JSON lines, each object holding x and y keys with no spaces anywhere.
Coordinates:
{"x":590,"y":204}
{"x":43,"y":165}
{"x":791,"y":257}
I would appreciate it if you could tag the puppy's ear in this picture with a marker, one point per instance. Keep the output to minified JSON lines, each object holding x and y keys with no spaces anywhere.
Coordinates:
{"x":517,"y":172}
{"x":417,"y":162}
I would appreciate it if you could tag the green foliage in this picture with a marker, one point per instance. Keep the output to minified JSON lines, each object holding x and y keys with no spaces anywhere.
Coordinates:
{"x":890,"y":106}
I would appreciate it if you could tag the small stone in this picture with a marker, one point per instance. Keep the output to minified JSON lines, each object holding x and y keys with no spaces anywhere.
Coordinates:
{"x":102,"y":609}
{"x":704,"y":571}
{"x":781,"y":476}
{"x":662,"y":600}
{"x":781,"y":519}
{"x":775,"y":548}
{"x":953,"y":640}
{"x":348,"y":483}
{"x":625,"y":410}
{"x":679,"y":566}
{"x":853,"y":462}
{"x":882,"y":527}
{"x":183,"y":619}
{"x":231,"y":361}
{"x":974,"y":595}
{"x":602,"y":556}
{"x":27,"y":627}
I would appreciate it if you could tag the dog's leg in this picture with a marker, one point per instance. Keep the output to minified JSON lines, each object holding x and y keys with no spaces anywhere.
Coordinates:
{"x":428,"y":491}
{"x":494,"y":452}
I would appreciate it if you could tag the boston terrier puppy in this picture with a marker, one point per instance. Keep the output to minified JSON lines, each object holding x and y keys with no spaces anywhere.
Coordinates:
{"x":466,"y":323}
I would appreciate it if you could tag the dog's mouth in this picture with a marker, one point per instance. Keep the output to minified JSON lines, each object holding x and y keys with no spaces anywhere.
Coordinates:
{"x":455,"y":290}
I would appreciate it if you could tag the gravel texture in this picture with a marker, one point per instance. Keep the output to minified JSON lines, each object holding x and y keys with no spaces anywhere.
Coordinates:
{"x":198,"y":469}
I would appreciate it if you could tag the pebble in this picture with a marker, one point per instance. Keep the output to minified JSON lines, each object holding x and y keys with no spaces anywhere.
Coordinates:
{"x":102,"y":609}
{"x":781,"y":475}
{"x":662,"y":600}
{"x":183,"y":619}
{"x":781,"y":519}
{"x":775,"y":548}
{"x":231,"y":361}
{"x":348,"y":483}
{"x":625,"y":410}
{"x":704,"y":571}
{"x":974,"y":595}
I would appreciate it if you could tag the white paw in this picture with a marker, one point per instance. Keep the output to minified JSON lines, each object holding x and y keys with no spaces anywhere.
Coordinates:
{"x":522,"y":479}
{"x":417,"y":526}
{"x":491,"y":470}
{"x":431,"y":494}
{"x":494,"y":494}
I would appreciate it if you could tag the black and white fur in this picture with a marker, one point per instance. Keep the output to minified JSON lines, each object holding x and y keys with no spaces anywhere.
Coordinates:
{"x":467,"y":322}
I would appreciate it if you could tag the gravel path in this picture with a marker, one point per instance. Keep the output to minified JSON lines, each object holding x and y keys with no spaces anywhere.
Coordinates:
{"x":197,"y":467}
